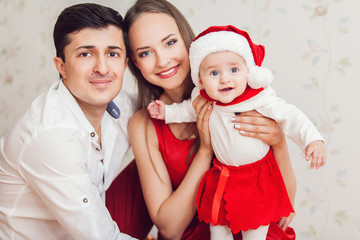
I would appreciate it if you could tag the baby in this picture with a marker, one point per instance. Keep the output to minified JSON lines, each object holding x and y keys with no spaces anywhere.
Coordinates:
{"x":244,"y":190}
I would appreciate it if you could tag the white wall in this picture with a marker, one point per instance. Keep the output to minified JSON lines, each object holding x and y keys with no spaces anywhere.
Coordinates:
{"x":312,"y":48}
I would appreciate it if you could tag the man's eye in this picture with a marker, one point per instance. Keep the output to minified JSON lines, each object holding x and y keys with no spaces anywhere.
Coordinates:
{"x":113,"y":54}
{"x":85,"y":54}
{"x":234,"y":70}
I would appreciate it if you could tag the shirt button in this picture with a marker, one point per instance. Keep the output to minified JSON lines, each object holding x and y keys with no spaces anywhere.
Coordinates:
{"x":85,"y":200}
{"x":92,"y":134}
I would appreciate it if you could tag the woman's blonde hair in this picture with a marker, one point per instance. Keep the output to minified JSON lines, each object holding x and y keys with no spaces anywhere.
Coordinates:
{"x":146,"y":90}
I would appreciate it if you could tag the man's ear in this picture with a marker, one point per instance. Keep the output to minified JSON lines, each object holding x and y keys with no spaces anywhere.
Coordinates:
{"x":126,"y":61}
{"x":60,"y":66}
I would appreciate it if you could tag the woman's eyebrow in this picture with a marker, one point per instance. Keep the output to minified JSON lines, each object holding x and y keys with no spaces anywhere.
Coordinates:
{"x":141,"y":48}
{"x":162,"y":40}
{"x":168,"y":36}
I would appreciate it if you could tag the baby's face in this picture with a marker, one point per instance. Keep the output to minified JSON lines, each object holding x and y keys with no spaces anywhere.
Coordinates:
{"x":223,"y":75}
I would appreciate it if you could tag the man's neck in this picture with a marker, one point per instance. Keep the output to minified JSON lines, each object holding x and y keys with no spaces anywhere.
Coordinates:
{"x":95,"y":118}
{"x":94,"y":115}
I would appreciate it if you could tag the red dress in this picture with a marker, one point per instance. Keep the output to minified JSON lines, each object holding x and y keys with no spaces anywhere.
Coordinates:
{"x":175,"y":153}
{"x":243,"y":197}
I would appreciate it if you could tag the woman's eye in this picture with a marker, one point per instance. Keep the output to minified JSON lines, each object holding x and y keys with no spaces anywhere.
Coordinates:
{"x":214,"y":73}
{"x":144,"y":54}
{"x":172,"y":42}
{"x":234,"y":70}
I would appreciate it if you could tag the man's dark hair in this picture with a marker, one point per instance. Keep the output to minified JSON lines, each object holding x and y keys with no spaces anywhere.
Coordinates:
{"x":80,"y":16}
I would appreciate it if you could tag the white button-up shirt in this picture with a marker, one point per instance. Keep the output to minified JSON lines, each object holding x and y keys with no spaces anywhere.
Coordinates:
{"x":54,"y":174}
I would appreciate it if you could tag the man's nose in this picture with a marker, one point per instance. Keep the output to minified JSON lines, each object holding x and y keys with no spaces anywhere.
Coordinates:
{"x":101,"y":65}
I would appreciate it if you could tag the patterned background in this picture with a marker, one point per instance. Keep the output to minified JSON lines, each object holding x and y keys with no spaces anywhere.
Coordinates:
{"x":311,"y":46}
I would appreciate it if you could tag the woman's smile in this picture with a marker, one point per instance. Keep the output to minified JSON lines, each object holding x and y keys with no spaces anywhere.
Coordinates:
{"x":169,"y":72}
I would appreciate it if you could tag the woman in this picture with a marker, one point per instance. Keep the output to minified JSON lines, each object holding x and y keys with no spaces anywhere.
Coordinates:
{"x":171,"y":159}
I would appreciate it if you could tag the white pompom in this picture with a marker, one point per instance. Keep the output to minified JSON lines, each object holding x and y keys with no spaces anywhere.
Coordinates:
{"x":259,"y":77}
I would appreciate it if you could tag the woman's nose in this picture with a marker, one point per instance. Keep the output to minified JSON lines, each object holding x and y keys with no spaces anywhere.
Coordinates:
{"x":162,"y":59}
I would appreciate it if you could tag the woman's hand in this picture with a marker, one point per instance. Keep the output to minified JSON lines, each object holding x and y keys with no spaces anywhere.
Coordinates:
{"x":203,"y":109}
{"x":253,"y":124}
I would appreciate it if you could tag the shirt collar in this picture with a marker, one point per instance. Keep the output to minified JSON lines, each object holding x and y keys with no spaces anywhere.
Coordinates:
{"x":75,"y":109}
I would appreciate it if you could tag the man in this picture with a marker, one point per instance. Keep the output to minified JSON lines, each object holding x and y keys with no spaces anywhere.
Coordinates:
{"x":59,"y":159}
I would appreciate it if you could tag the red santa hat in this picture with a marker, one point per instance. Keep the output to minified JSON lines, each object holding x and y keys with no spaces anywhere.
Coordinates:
{"x":229,"y":38}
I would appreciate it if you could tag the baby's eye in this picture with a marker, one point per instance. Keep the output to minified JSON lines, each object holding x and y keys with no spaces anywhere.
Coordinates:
{"x":214,"y":73}
{"x":234,"y":70}
{"x":171,"y":42}
{"x":144,"y":54}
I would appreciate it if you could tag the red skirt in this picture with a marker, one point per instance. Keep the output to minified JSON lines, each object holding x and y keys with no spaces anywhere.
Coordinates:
{"x":243,"y":197}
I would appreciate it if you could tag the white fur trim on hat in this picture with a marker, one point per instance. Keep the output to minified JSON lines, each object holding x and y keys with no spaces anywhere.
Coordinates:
{"x":259,"y":77}
{"x":227,"y":41}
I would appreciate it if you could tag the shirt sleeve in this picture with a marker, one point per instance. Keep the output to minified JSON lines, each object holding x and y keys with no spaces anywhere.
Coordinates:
{"x":56,"y":165}
{"x":182,"y":112}
{"x":296,"y":125}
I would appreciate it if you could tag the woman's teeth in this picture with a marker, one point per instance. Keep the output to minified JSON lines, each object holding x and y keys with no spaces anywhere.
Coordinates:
{"x":167,"y":72}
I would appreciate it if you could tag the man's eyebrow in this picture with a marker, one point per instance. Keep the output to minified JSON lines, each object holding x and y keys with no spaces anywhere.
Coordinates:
{"x":86,"y":47}
{"x":115,"y":47}
{"x":92,"y":46}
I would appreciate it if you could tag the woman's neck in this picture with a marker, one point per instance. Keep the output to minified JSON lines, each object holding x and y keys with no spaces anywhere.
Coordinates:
{"x":175,"y":95}
{"x":168,"y":97}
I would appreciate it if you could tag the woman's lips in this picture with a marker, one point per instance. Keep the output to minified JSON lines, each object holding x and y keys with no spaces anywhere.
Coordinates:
{"x":168,"y":73}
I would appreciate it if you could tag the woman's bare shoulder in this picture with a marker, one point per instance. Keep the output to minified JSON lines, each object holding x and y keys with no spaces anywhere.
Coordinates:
{"x":139,"y":117}
{"x":140,"y":123}
{"x":141,"y":113}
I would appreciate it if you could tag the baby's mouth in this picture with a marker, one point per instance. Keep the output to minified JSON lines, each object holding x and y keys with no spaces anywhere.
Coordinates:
{"x":226,"y":89}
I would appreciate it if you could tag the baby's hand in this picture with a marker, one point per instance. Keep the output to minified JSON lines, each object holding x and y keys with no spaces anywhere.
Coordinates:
{"x":316,"y":152}
{"x":157,"y":109}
